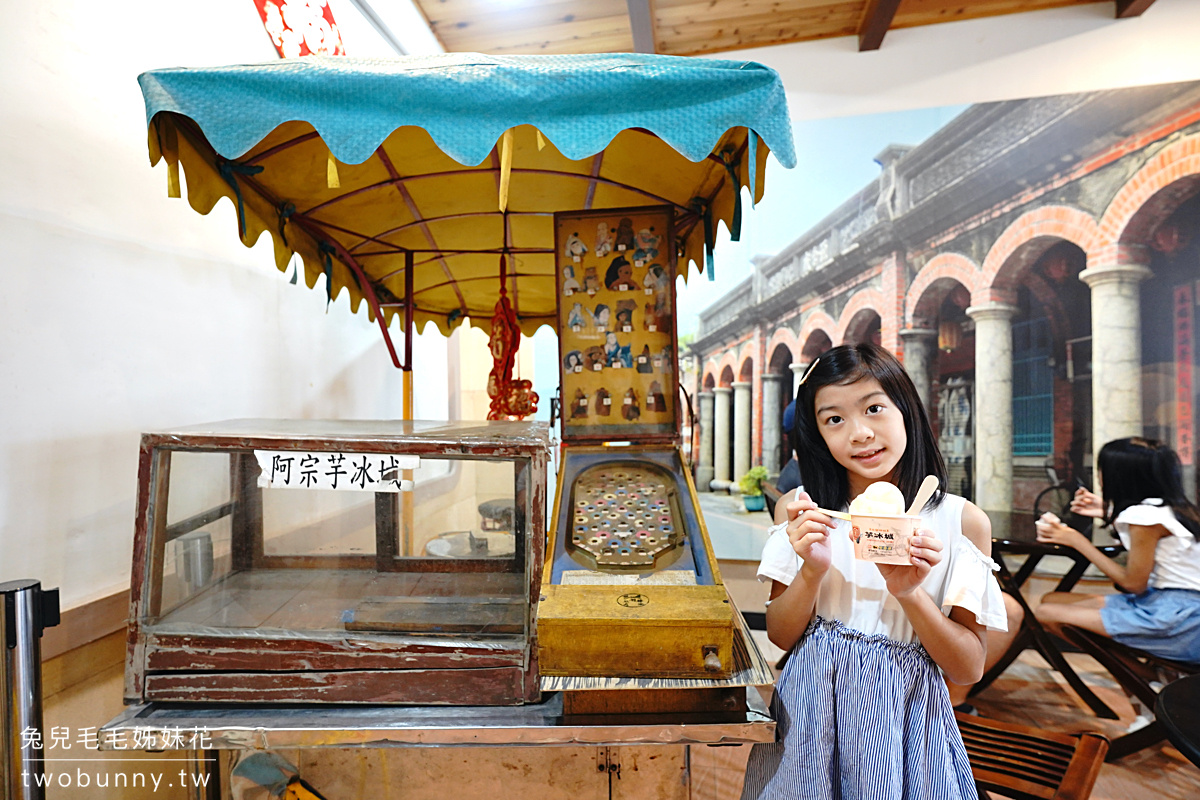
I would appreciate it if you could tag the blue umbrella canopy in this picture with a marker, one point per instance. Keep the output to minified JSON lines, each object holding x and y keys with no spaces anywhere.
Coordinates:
{"x":365,"y":166}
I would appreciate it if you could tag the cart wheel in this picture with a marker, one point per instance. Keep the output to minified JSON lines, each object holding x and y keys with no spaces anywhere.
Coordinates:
{"x":1056,"y":500}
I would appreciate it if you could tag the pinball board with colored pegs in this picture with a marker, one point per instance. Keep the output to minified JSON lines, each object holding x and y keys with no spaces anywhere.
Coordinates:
{"x":625,"y":518}
{"x":631,"y":587}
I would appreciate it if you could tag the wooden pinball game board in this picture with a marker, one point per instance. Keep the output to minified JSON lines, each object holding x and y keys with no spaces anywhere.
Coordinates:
{"x":631,"y":587}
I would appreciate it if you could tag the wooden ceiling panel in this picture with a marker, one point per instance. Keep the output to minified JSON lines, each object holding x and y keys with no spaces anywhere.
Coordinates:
{"x":690,"y":27}
{"x":914,"y":13}
{"x":685,"y":27}
{"x":530,"y":26}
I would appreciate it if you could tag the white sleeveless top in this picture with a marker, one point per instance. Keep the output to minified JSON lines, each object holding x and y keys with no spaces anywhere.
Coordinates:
{"x":1176,"y":558}
{"x":855,"y":593}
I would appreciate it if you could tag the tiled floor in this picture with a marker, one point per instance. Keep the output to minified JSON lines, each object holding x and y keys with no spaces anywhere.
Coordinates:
{"x":1029,"y":692}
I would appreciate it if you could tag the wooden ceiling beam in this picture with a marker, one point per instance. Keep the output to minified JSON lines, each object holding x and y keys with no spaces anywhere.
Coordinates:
{"x":876,"y":19}
{"x":1132,"y":8}
{"x":641,"y":22}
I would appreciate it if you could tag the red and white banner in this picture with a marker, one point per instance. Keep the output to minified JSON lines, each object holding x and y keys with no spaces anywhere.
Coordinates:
{"x":301,"y":27}
{"x":1184,"y":430}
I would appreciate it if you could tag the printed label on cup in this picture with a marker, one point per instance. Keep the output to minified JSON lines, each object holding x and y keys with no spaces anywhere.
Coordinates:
{"x":583,"y":403}
{"x":628,"y":401}
{"x":652,"y":328}
{"x":649,"y":291}
{"x":597,"y":367}
{"x":641,"y":359}
{"x":622,"y":287}
{"x":608,"y":401}
{"x":882,"y":539}
{"x":578,"y":368}
{"x":626,"y":328}
{"x":568,"y":292}
{"x":620,"y":248}
{"x":577,"y":328}
{"x":576,"y":259}
{"x":637,"y":262}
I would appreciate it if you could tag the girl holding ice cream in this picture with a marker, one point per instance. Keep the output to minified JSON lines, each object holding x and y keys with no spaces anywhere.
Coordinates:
{"x":1158,"y":610}
{"x":862,"y":707}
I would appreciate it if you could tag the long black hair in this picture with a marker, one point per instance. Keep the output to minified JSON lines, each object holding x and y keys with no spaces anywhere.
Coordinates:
{"x":825,"y":480}
{"x":1134,"y":469}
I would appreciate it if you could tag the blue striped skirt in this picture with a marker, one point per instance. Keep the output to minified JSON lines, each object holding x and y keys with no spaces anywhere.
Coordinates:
{"x":860,"y":717}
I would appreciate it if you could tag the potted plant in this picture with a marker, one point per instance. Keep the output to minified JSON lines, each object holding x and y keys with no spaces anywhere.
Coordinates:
{"x":751,"y":486}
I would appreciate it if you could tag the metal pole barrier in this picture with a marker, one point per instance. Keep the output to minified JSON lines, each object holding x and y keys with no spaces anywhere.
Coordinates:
{"x":27,"y":611}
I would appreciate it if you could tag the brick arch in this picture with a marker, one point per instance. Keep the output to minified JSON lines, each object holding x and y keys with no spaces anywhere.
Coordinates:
{"x":942,"y":267}
{"x":710,"y":379}
{"x":783,"y":337}
{"x":746,"y":370}
{"x":1152,"y":194}
{"x":729,"y":361}
{"x":1030,"y":235}
{"x":816,"y":321}
{"x":771,"y":365}
{"x":866,"y":300}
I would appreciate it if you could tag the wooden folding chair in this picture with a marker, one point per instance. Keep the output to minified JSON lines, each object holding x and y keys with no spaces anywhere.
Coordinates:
{"x":1130,"y":668}
{"x":1027,"y":764}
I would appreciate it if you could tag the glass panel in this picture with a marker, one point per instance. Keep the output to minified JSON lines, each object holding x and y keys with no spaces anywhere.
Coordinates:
{"x":434,"y":548}
{"x":197,"y":550}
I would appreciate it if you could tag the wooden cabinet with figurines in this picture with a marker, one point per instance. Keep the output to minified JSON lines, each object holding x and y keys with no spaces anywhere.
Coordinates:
{"x":631,"y":587}
{"x":616,"y":286}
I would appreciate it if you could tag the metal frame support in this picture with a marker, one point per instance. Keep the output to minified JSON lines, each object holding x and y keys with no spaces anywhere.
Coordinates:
{"x":27,"y":610}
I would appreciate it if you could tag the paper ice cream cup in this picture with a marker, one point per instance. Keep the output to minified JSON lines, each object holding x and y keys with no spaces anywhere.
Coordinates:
{"x":883,"y":538}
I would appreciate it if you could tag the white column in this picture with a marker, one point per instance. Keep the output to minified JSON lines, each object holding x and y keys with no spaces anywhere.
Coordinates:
{"x":993,"y":405}
{"x":721,"y":436}
{"x":772,"y":422}
{"x":704,"y":474}
{"x":1116,"y":351}
{"x":920,"y":346}
{"x":741,"y":429}
{"x":797,"y":373}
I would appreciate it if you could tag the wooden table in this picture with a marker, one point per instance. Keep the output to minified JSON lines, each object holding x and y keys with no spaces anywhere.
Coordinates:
{"x":1013,"y":533}
{"x":1178,"y":710}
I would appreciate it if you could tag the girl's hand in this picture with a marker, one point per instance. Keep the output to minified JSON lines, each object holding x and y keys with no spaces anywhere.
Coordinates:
{"x":1087,"y":504}
{"x":1050,"y":530}
{"x":925,"y":552}
{"x":808,"y":531}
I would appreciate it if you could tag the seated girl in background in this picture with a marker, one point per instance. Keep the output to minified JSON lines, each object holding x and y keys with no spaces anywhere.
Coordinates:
{"x":1141,"y":483}
{"x":862,"y":709}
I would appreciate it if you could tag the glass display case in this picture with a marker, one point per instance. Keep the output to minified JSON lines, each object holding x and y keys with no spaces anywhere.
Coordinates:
{"x":361,"y":562}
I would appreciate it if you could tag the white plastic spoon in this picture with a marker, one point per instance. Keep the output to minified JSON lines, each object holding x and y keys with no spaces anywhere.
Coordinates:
{"x":928,"y":487}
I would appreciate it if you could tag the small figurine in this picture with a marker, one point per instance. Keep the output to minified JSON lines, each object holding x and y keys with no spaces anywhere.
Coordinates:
{"x":643,"y":360}
{"x":656,"y":400}
{"x":569,"y":285}
{"x":573,"y":362}
{"x":591,"y":281}
{"x":667,"y":358}
{"x":575,"y":248}
{"x":575,"y":317}
{"x":594,"y":358}
{"x":647,"y":245}
{"x":656,"y":279}
{"x":625,"y":310}
{"x":619,"y":274}
{"x":603,"y":402}
{"x":626,"y":240}
{"x":579,"y":406}
{"x":604,"y":240}
{"x":650,"y":317}
{"x":601,"y":316}
{"x":630,"y":410}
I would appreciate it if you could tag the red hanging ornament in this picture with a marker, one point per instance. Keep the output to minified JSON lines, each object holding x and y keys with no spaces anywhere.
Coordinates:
{"x":510,"y":398}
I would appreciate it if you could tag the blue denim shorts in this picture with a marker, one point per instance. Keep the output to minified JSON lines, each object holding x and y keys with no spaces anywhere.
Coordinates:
{"x":1164,"y":622}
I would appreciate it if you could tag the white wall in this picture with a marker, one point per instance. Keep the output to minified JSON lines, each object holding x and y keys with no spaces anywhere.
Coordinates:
{"x":123,"y":311}
{"x":126,"y":311}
